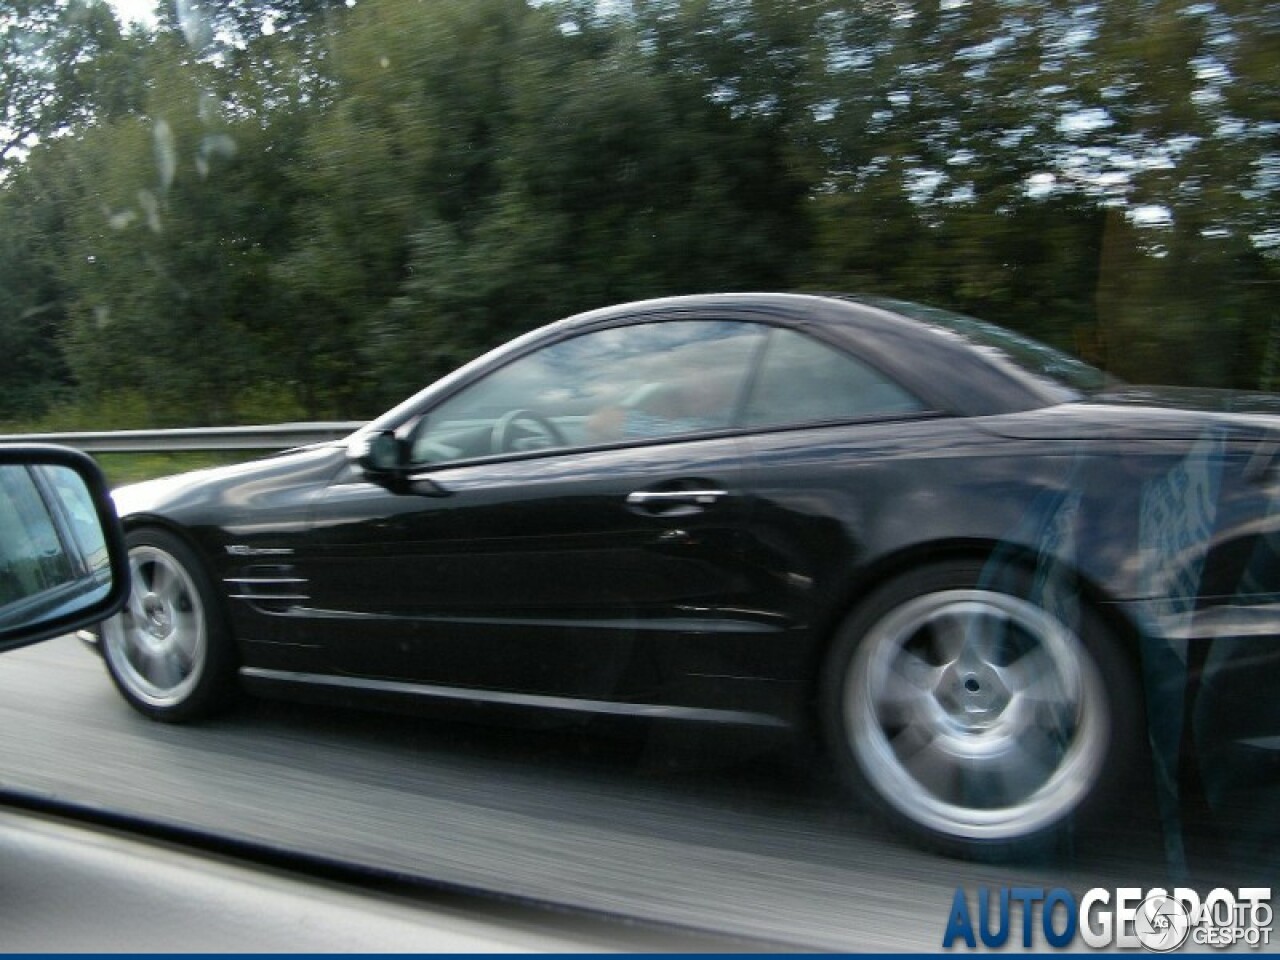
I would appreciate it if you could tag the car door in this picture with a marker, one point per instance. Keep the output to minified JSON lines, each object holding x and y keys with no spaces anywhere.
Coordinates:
{"x":578,"y":524}
{"x":833,"y":440}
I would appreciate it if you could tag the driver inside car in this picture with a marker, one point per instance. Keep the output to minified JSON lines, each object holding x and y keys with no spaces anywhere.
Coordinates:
{"x":692,"y":404}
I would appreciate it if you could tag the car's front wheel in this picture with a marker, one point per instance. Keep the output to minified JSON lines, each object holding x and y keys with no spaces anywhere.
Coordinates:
{"x":984,"y":713}
{"x":169,"y":651}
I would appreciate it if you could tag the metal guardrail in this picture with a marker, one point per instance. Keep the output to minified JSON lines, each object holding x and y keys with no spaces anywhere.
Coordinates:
{"x":280,"y":436}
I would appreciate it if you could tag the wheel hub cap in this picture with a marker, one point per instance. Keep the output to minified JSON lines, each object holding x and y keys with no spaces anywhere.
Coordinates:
{"x":157,"y":645}
{"x":976,"y":713}
{"x":159,"y":621}
{"x":974,"y":697}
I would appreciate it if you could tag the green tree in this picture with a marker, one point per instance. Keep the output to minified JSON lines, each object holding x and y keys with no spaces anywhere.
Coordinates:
{"x":169,"y":240}
{"x":310,"y":208}
{"x":33,"y":375}
{"x":49,"y":80}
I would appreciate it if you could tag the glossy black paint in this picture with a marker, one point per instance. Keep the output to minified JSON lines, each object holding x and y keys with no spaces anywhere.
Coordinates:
{"x":528,"y":578}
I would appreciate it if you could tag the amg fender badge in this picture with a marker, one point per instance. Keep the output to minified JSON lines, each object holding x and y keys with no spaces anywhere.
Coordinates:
{"x":241,"y":550}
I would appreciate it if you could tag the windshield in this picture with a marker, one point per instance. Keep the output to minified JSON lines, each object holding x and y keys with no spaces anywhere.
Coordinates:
{"x":701,"y":614}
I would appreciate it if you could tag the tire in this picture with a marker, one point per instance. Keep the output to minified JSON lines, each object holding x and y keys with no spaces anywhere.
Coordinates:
{"x":170,"y":651}
{"x":976,"y":720}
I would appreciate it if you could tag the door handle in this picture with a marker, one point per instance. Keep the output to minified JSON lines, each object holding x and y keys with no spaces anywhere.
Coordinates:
{"x":645,"y":498}
{"x":673,"y":503}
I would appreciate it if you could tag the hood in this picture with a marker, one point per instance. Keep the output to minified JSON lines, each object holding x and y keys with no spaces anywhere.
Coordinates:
{"x":241,"y":483}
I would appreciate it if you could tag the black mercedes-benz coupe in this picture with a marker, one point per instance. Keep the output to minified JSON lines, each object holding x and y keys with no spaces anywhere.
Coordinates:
{"x":956,"y":555}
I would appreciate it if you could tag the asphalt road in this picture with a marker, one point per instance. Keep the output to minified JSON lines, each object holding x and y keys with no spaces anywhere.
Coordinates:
{"x":696,"y":829}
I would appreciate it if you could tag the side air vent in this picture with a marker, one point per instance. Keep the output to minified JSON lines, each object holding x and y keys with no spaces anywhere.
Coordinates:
{"x":273,"y":589}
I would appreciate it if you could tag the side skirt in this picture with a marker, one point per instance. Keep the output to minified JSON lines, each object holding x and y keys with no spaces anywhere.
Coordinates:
{"x":268,"y":681}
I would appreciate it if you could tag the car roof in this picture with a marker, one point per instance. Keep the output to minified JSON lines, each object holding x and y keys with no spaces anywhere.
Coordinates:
{"x":948,"y":371}
{"x":945,"y":371}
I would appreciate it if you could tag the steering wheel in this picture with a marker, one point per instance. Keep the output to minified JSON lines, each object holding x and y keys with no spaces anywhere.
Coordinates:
{"x":522,"y":430}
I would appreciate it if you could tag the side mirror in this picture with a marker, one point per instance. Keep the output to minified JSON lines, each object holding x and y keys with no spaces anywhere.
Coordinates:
{"x":383,"y":459}
{"x":63,"y":563}
{"x":379,"y":453}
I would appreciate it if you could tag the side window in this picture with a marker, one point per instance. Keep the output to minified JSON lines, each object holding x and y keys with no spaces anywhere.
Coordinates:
{"x":641,"y":382}
{"x":803,"y":380}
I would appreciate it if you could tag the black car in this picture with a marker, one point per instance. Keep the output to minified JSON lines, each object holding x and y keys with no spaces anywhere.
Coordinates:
{"x":951,"y":552}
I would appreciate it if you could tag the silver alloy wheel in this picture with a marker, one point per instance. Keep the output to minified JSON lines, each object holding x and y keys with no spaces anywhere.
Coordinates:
{"x":976,"y":714}
{"x":158,"y":643}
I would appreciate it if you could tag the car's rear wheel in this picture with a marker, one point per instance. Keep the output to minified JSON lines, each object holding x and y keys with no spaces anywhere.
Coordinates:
{"x":984,"y":713}
{"x":169,"y":651}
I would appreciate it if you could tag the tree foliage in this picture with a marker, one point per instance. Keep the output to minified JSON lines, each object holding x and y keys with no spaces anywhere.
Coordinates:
{"x":265,"y":209}
{"x":57,"y":69}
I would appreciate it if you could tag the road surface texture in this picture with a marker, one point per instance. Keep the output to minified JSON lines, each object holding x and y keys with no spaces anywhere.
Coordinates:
{"x":667,"y":824}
